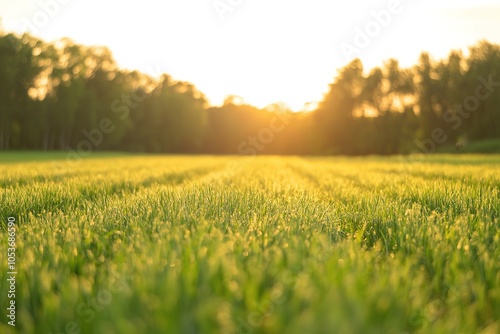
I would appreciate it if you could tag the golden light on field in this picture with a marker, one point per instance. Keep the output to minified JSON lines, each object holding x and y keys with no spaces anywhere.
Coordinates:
{"x":263,"y":51}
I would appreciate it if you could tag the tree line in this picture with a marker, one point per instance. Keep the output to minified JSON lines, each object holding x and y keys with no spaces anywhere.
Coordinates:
{"x":65,"y":96}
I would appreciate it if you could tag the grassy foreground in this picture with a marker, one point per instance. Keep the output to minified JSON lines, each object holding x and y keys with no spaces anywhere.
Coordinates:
{"x":266,"y":245}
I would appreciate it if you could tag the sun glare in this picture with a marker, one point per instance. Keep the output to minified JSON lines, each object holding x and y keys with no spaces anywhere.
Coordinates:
{"x":264,"y":51}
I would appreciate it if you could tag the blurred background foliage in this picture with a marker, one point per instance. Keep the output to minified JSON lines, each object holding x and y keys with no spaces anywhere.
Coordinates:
{"x":55,"y":95}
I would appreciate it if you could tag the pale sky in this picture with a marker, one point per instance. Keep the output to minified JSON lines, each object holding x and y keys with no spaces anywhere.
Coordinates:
{"x":263,"y":50}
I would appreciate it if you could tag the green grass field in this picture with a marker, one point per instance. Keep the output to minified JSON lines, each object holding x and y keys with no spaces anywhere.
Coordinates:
{"x":156,"y":244}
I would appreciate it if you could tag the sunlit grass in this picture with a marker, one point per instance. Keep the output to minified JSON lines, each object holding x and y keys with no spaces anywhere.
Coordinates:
{"x":137,"y":244}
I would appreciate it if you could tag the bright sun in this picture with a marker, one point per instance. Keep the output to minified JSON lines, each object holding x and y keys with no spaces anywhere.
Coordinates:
{"x":263,"y":51}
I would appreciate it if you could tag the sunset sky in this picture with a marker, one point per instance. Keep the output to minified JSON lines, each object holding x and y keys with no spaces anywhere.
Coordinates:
{"x":264,"y":51}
